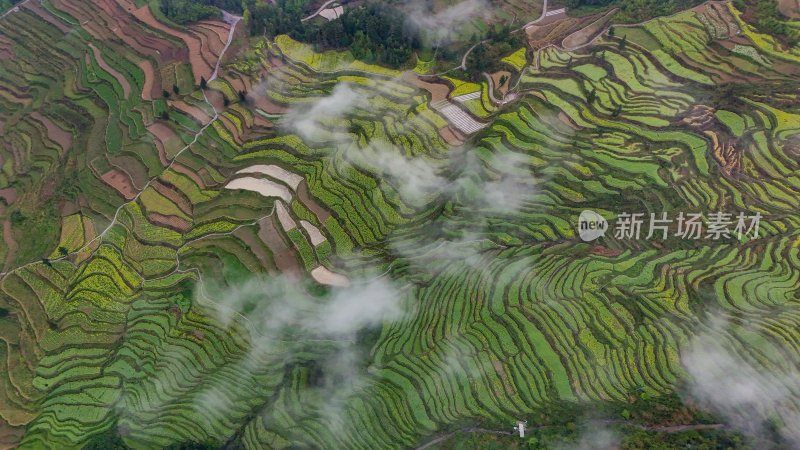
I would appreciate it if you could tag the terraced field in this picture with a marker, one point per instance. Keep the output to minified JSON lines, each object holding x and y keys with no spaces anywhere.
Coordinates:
{"x":314,"y":252}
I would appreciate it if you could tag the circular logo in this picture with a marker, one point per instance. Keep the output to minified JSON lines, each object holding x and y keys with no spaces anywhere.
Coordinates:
{"x":591,"y":225}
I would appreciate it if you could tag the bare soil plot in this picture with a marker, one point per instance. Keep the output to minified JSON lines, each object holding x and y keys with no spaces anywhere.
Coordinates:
{"x":37,"y":9}
{"x":231,"y":127}
{"x":255,"y":245}
{"x":496,"y":76}
{"x":162,"y":153}
{"x":256,"y":95}
{"x":285,"y":219}
{"x":438,"y":91}
{"x":194,"y":111}
{"x":126,"y":87}
{"x":310,"y":203}
{"x":136,"y":35}
{"x":217,"y":33}
{"x":132,"y":166}
{"x":198,"y":57}
{"x":56,"y":134}
{"x":108,"y":19}
{"x":789,"y":8}
{"x":315,"y":236}
{"x":282,"y":253}
{"x":238,"y":84}
{"x":323,"y":275}
{"x":265,"y":187}
{"x":723,"y":145}
{"x":216,"y":98}
{"x":13,"y":97}
{"x":206,"y":38}
{"x":6,"y":51}
{"x":9,"y":195}
{"x":172,"y":222}
{"x":180,"y":168}
{"x":451,"y":136}
{"x":10,"y":436}
{"x":589,"y":32}
{"x":599,"y":250}
{"x":175,"y":196}
{"x":93,"y":22}
{"x":553,"y":32}
{"x":148,"y":92}
{"x":258,"y":122}
{"x":566,"y":120}
{"x":120,"y":181}
{"x":171,"y":141}
{"x":89,"y":232}
{"x":264,"y":104}
{"x":279,"y":173}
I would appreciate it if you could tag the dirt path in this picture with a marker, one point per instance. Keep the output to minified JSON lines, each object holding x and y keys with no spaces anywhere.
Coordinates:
{"x":506,"y":98}
{"x":660,"y":429}
{"x":115,"y":217}
{"x":14,"y":9}
{"x":177,"y":154}
{"x":535,"y":21}
{"x":232,"y":20}
{"x":447,"y":436}
{"x":463,"y":65}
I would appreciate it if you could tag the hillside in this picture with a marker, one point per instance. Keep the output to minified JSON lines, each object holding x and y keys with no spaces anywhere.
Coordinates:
{"x":226,"y":233}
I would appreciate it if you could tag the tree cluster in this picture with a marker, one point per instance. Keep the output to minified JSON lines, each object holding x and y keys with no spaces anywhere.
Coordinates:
{"x":767,"y":18}
{"x":636,"y":10}
{"x":374,"y":32}
{"x":7,"y":4}
{"x":499,"y":42}
{"x":188,"y":11}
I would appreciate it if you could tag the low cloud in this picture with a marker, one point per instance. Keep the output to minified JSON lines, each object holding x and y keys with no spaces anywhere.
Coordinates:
{"x":416,"y":179}
{"x":506,"y":184}
{"x":595,"y":436}
{"x":437,"y":27}
{"x":314,"y":121}
{"x":280,"y":308}
{"x":748,"y":396}
{"x":290,"y":325}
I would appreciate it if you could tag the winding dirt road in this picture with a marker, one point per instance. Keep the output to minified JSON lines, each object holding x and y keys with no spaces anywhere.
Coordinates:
{"x":232,"y":21}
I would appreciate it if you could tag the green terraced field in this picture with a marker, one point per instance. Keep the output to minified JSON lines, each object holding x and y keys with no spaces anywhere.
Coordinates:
{"x":318,"y":252}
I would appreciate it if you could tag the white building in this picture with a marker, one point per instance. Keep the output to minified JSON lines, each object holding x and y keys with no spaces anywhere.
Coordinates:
{"x":521,"y":428}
